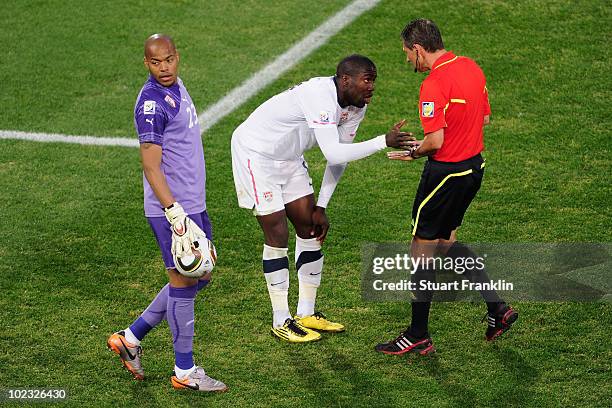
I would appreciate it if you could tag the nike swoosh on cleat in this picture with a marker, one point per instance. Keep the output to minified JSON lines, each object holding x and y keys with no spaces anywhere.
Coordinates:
{"x":192,"y":386}
{"x":130,"y":355}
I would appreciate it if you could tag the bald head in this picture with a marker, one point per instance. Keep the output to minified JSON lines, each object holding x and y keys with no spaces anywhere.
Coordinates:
{"x":161,"y":58}
{"x":158,"y":41}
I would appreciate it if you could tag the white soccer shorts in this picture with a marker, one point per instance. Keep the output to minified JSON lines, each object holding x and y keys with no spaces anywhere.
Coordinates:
{"x":264,"y":185}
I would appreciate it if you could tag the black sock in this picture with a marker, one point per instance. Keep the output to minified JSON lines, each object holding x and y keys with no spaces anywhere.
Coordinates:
{"x":458,"y":250}
{"x":421,"y":304}
{"x":420,"y":319}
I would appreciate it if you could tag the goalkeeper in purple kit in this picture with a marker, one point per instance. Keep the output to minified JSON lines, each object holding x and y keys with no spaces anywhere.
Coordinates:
{"x":175,"y":207}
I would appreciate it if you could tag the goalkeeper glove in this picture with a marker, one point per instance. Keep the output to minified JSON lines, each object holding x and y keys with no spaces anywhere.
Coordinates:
{"x":184,"y":230}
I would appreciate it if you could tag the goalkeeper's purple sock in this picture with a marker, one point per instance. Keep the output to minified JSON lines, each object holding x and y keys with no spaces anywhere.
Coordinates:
{"x":180,"y":314}
{"x":154,"y":314}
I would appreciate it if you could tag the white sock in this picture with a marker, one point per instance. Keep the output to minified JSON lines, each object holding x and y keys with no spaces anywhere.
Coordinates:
{"x":279,"y":317}
{"x":180,"y":373}
{"x":306,"y":307}
{"x":129,"y":336}
{"x":309,"y":265}
{"x":276,"y":272}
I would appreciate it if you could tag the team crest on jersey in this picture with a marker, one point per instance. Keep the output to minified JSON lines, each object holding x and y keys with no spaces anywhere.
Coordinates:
{"x":343,"y":117}
{"x":149,"y":108}
{"x":427,"y":109}
{"x":267,"y":196}
{"x":324,"y":117}
{"x":170,"y":101}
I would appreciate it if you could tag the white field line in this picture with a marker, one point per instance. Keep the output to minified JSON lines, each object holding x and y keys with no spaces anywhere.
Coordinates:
{"x":56,"y":137}
{"x":283,"y":63}
{"x":237,"y":96}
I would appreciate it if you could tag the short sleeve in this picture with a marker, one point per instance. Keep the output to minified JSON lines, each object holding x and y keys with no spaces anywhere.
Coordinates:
{"x":432,"y":106}
{"x":318,"y":106}
{"x":487,"y":107}
{"x":150,"y":119}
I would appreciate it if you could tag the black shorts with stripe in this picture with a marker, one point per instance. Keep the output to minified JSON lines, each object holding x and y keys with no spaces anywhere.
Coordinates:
{"x":444,"y":195}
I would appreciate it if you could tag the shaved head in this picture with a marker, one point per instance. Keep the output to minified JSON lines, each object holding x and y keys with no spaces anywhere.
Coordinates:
{"x":161,"y":58}
{"x":157,"y":40}
{"x":354,"y":65}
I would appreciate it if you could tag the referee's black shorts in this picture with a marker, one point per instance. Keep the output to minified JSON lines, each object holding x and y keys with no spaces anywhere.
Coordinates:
{"x":444,"y":195}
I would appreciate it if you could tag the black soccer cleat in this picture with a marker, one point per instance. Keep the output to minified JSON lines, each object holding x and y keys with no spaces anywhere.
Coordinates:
{"x":500,"y":322}
{"x":405,"y":343}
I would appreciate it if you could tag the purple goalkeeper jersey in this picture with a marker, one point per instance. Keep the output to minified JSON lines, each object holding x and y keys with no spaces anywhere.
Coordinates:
{"x":167,"y":117}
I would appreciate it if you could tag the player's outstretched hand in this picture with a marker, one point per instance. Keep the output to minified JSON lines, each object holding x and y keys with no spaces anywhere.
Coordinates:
{"x":320,"y":224}
{"x":398,"y":139}
{"x":400,"y":155}
{"x":405,"y":155}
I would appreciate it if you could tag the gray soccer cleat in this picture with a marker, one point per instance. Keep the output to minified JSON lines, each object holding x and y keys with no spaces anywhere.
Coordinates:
{"x":198,"y":381}
{"x":128,"y":353}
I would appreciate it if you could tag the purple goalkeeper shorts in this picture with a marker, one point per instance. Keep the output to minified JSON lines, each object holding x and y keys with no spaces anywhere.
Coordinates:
{"x":163,"y":234}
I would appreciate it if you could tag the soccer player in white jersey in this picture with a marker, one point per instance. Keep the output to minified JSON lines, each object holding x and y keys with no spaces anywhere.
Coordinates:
{"x":271,"y":178}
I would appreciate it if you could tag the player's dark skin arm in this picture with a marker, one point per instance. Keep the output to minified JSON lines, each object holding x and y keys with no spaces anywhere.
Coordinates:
{"x":151,"y":155}
{"x":320,"y":224}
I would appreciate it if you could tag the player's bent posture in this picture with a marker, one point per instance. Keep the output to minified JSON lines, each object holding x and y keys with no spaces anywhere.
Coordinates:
{"x":175,"y":205}
{"x":271,"y":178}
{"x":454,"y":107}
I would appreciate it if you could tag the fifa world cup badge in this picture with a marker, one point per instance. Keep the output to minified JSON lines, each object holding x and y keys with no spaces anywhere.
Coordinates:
{"x":324,"y":117}
{"x":343,"y":117}
{"x":149,"y":108}
{"x":427,"y":109}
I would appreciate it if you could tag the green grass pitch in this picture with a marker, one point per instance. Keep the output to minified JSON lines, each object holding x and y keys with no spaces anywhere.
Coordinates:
{"x":78,"y":260}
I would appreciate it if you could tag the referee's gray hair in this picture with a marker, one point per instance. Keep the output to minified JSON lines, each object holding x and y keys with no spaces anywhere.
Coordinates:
{"x":423,"y":32}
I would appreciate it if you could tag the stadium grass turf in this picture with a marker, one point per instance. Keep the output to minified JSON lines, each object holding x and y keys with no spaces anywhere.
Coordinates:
{"x":80,"y":262}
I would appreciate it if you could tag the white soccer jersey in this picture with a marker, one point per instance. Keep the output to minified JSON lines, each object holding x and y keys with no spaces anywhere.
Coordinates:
{"x":282,"y":128}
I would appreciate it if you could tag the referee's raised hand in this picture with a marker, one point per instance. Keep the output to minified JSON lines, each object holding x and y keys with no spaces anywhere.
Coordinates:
{"x":398,"y":139}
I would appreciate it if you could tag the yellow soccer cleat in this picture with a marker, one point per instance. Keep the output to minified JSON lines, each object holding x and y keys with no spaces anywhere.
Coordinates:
{"x":293,"y":332}
{"x":318,"y":321}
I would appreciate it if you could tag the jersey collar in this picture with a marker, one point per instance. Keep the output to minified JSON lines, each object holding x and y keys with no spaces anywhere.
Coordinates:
{"x":444,"y":59}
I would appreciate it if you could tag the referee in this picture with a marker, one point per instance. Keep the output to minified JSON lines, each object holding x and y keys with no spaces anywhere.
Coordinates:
{"x":453,"y":107}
